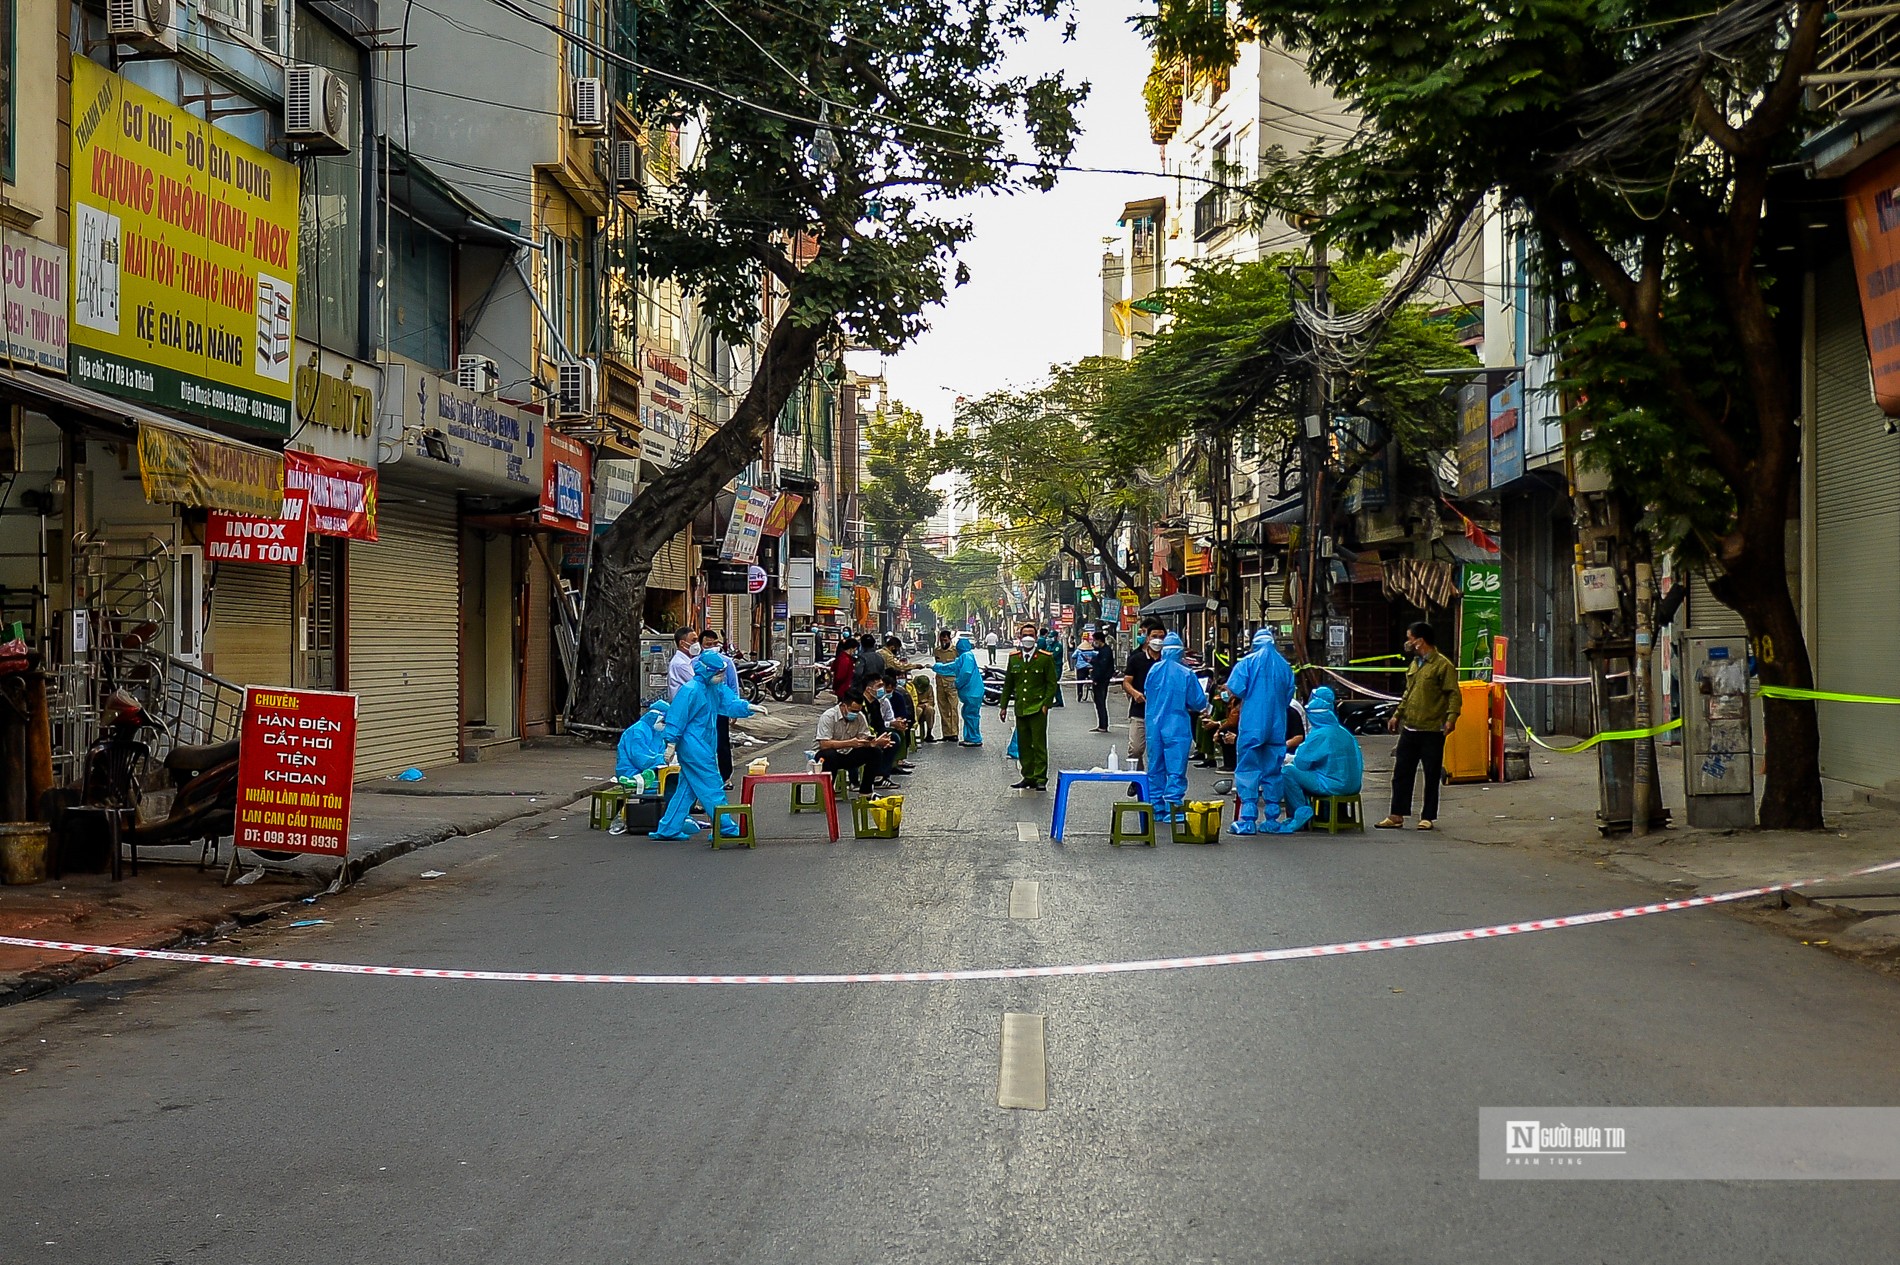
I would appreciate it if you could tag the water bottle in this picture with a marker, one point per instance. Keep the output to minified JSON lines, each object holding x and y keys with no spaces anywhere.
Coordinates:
{"x":1114,"y":758}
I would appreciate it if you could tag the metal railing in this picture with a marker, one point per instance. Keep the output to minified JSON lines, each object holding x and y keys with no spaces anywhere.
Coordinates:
{"x":1859,"y":60}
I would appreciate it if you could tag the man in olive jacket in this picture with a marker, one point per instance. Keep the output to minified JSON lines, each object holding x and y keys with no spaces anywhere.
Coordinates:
{"x":1426,"y":715}
{"x":1032,"y":678}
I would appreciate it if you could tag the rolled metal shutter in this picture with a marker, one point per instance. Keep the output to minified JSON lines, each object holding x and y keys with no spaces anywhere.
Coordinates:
{"x":1707,"y":615}
{"x":537,"y":682}
{"x":251,"y":624}
{"x":405,"y":639}
{"x":670,"y":570}
{"x":1857,"y":546}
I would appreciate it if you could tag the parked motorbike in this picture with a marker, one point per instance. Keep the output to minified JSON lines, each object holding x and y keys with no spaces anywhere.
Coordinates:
{"x":756,"y":676}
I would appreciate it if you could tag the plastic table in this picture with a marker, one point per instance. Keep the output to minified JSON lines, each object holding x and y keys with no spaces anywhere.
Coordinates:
{"x":752,"y":781}
{"x":1064,"y":779}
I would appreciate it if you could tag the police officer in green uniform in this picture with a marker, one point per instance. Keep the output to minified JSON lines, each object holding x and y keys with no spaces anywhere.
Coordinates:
{"x":1032,"y":678}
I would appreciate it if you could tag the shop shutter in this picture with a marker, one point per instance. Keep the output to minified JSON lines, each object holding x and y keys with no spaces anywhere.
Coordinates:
{"x":537,"y":684}
{"x":1857,"y":546}
{"x":670,"y":570}
{"x":1707,"y":615}
{"x":405,"y":639}
{"x":251,"y":624}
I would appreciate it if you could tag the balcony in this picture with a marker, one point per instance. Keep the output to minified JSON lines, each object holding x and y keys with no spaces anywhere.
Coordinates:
{"x":1212,"y":214}
{"x":1856,"y":60}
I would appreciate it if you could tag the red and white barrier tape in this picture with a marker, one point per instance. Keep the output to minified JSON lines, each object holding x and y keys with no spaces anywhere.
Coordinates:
{"x":1419,"y":941}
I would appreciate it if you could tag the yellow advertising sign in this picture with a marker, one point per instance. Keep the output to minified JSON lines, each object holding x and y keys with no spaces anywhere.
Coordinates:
{"x":180,"y":469}
{"x":184,"y":258}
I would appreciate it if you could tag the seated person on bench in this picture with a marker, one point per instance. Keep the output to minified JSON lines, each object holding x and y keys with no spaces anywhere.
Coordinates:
{"x":845,"y":741}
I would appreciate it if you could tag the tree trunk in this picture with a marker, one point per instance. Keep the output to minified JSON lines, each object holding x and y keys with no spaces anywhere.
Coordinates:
{"x":1755,"y":584}
{"x":608,"y":692}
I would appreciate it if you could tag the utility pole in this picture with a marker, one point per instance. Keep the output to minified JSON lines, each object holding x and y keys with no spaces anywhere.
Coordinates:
{"x":1313,"y":472}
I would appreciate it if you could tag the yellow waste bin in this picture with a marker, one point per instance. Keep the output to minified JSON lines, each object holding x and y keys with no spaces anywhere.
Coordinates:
{"x":1468,"y":749}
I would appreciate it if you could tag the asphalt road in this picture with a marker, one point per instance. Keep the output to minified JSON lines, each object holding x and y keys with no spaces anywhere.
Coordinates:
{"x":1316,"y":1111}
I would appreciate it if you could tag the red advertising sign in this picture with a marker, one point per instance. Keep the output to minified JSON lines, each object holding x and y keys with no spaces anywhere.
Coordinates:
{"x":296,"y":764}
{"x":340,"y":496}
{"x":567,"y":478}
{"x":1873,"y":224}
{"x":241,"y":538}
{"x":784,"y":510}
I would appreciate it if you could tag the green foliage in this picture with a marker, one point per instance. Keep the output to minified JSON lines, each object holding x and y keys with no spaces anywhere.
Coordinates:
{"x":1231,"y":359}
{"x":902,"y":458}
{"x":965,"y":580}
{"x":1031,"y":459}
{"x":916,"y":110}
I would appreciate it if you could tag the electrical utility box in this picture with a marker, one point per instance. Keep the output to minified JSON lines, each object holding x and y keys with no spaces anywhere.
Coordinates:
{"x":656,"y":653}
{"x":1718,"y":759}
{"x":804,"y":660}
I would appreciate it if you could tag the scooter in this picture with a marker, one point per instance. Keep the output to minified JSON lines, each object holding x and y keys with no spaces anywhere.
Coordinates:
{"x":756,"y":676}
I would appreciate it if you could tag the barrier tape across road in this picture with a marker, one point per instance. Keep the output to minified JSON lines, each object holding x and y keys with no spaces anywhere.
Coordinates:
{"x":1422,"y":940}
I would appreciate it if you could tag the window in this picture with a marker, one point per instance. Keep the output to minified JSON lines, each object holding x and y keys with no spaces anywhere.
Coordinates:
{"x":330,"y":226}
{"x":264,"y":23}
{"x":560,"y":263}
{"x":583,"y":23}
{"x":421,"y":293}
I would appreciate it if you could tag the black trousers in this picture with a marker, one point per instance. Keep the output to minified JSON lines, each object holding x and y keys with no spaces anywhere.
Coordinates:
{"x":725,"y":748}
{"x":869,"y":763}
{"x":1417,"y":747}
{"x":1101,"y":705}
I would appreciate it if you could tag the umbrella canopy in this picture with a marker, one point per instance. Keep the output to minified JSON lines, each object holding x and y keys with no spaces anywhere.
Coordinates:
{"x":1180,"y":604}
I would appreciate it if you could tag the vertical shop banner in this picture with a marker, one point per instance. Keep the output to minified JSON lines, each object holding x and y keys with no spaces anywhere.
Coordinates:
{"x":567,"y":469}
{"x":784,"y":510}
{"x":184,"y":257}
{"x":1507,"y":434}
{"x":339,"y":497}
{"x":1873,"y":230}
{"x":750,"y":506}
{"x":1480,"y":613}
{"x":1474,"y":441}
{"x":33,"y":291}
{"x":296,"y":766}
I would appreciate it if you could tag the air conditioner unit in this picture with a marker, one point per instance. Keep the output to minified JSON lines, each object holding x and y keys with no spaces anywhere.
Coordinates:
{"x":479,"y":374}
{"x":626,"y":164}
{"x":317,"y":109}
{"x":575,"y":393}
{"x":590,"y":106}
{"x":147,"y":23}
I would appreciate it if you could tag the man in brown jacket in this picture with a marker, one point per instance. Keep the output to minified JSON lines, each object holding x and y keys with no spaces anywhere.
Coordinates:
{"x":1426,"y":714}
{"x":948,"y":705}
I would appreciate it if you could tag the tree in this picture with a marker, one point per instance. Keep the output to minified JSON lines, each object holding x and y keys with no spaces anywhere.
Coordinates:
{"x":960,"y":583}
{"x":834,"y":133}
{"x":897,"y":499}
{"x":1032,"y":461}
{"x":1640,"y":140}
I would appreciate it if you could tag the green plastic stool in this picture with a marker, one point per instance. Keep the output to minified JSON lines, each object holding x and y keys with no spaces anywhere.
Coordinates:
{"x":609,"y":802}
{"x":863,"y":826}
{"x":1119,"y":832}
{"x":740,"y":813}
{"x":1334,"y":813}
{"x":1202,"y":824}
{"x":808,"y":797}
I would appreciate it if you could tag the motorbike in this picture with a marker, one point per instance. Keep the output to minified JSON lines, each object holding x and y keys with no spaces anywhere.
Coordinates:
{"x":758,"y":675}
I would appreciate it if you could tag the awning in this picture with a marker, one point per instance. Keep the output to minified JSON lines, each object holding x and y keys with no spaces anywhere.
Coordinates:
{"x":179,"y":463}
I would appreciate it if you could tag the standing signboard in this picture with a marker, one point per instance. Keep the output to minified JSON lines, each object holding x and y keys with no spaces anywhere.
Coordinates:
{"x":184,"y":257}
{"x":296,"y":766}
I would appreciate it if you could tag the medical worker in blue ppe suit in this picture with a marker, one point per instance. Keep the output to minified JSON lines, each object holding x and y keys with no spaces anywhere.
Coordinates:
{"x":1327,"y":762}
{"x":693,"y":725}
{"x":642,"y":745}
{"x":969,"y":679}
{"x":1172,"y":692}
{"x":1264,"y":685}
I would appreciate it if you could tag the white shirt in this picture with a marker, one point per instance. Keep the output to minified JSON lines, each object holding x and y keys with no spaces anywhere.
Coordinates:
{"x":990,"y":641}
{"x":679,"y":672}
{"x":835,"y":726}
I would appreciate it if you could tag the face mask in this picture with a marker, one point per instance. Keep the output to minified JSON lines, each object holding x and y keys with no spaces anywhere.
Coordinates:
{"x":1154,"y":644}
{"x":1026,"y":643}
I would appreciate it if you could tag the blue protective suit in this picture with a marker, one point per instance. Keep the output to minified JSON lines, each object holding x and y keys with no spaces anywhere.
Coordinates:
{"x":642,"y":744}
{"x":1172,"y":692}
{"x":1327,"y":762}
{"x":969,"y":679}
{"x":1264,"y":685}
{"x":693,"y":725}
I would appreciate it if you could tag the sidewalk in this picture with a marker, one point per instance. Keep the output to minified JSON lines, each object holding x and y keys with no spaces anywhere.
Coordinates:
{"x":1556,"y":810}
{"x":171,"y":902}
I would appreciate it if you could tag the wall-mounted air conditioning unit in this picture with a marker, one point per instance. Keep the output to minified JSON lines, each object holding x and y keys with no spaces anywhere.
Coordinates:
{"x":317,"y":109}
{"x":590,"y":106}
{"x":625,"y":164}
{"x":479,"y":374}
{"x":147,"y":23}
{"x":575,"y":390}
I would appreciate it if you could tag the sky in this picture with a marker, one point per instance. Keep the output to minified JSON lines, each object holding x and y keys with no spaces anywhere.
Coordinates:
{"x":1034,"y":298}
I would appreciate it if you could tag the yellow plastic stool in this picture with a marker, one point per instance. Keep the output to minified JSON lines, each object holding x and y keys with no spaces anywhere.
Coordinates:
{"x":609,"y":802}
{"x":877,"y":818}
{"x":1334,"y":813}
{"x":741,"y":814}
{"x":1202,"y":824}
{"x":1119,"y":832}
